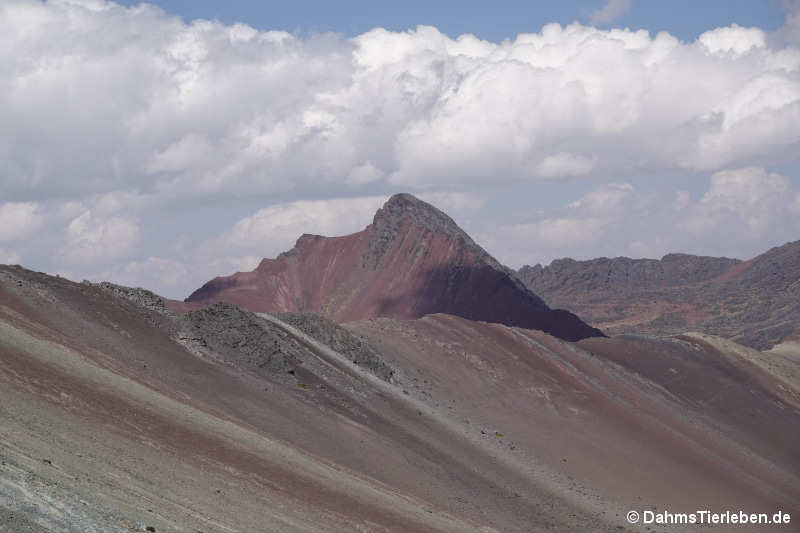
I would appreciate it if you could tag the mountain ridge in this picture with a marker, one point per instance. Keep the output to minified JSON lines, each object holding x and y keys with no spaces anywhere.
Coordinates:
{"x":753,"y":302}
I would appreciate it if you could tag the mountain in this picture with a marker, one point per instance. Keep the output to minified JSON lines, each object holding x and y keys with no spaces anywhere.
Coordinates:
{"x":121,"y":415}
{"x":413,"y":260}
{"x":609,"y":275}
{"x":755,"y":302}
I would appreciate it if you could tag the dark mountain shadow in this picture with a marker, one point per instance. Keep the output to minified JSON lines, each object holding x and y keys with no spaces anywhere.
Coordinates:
{"x":489,"y":295}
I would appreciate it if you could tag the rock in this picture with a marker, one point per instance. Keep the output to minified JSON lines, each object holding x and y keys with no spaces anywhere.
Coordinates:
{"x":343,"y":341}
{"x":141,"y":297}
{"x":241,"y":338}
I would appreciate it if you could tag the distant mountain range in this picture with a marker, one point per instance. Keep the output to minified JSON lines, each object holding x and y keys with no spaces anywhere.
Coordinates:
{"x":754,"y":302}
{"x":413,"y":260}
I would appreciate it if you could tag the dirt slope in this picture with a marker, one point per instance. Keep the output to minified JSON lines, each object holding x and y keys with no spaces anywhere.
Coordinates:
{"x":643,"y":422}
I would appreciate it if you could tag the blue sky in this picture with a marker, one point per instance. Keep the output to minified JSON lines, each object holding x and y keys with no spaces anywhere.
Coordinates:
{"x":161,"y":145}
{"x":494,"y":21}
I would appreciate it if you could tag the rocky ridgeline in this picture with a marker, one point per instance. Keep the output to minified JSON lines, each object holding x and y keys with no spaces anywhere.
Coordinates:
{"x":754,"y":303}
{"x":245,"y":340}
{"x":240,"y":338}
{"x":622,"y":273}
{"x":140,"y":297}
{"x":352,"y":346}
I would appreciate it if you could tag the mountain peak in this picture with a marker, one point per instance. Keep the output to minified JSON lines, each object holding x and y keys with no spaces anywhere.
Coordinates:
{"x":404,"y":211}
{"x":404,"y":207}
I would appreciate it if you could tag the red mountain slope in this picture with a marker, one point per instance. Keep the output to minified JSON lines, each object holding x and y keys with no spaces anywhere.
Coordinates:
{"x":413,"y":260}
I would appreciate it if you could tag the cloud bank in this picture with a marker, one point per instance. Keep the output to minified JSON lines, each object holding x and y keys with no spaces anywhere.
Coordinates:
{"x":98,"y":98}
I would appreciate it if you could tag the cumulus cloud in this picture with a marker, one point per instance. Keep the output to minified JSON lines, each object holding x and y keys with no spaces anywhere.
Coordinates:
{"x":610,"y":11}
{"x":733,"y":40}
{"x":200,"y":109}
{"x":91,"y":238}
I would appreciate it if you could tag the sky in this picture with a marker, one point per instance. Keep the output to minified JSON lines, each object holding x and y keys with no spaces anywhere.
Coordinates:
{"x":160,"y":145}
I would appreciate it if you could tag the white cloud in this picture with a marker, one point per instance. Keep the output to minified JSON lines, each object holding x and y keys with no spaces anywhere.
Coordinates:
{"x":18,"y":220}
{"x":611,"y":10}
{"x":206,"y":109}
{"x":733,"y":39}
{"x":744,"y":186}
{"x":91,"y":238}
